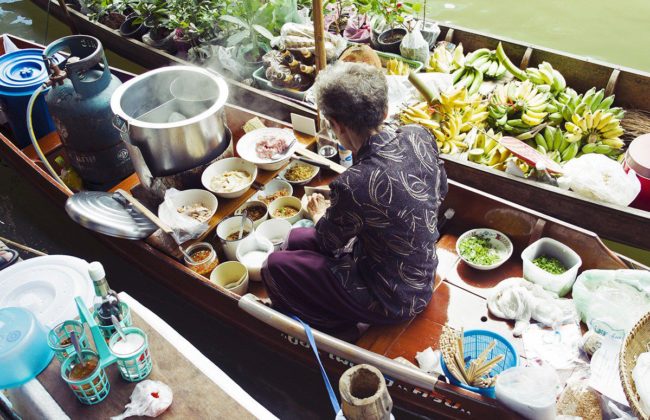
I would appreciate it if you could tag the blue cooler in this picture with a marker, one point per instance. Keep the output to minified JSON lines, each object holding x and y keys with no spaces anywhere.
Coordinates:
{"x":21,"y":73}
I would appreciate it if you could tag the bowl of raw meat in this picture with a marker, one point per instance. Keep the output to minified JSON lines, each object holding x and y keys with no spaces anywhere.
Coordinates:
{"x":268,"y":148}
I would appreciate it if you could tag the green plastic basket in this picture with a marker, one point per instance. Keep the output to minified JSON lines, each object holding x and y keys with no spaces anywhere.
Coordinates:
{"x":92,"y":389}
{"x":62,"y":332}
{"x":109,"y":330}
{"x":415,"y":66}
{"x":137,"y":365}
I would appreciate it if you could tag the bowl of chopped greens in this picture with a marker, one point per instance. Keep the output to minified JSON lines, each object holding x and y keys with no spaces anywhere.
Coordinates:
{"x":484,"y":249}
{"x":551,"y":264}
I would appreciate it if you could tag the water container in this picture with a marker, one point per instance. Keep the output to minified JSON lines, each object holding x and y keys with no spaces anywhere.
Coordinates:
{"x":21,"y":73}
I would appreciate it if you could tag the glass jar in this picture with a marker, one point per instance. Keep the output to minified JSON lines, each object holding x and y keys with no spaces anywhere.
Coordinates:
{"x":204,"y":258}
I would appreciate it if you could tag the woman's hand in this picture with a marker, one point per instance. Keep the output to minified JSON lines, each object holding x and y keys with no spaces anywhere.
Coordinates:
{"x":316,"y":206}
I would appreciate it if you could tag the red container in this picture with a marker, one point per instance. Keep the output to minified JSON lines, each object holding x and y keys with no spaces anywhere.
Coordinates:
{"x":637,"y":159}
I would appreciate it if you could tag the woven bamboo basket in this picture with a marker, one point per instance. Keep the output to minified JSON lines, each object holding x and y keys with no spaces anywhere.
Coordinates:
{"x":637,"y":341}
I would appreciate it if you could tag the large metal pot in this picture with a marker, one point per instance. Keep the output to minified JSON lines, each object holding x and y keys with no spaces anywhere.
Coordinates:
{"x":174,"y":117}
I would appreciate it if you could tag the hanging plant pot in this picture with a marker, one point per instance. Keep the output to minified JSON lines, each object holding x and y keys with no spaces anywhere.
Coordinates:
{"x":130,"y":29}
{"x":160,"y":39}
{"x":113,"y":20}
{"x":390,"y":40}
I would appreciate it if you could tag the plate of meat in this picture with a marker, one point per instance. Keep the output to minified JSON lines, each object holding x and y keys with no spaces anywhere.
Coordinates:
{"x":268,"y":148}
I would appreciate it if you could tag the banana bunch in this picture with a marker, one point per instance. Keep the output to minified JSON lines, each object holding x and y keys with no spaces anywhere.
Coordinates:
{"x":395,"y":67}
{"x":486,"y":62}
{"x":553,"y":143}
{"x":486,"y":150}
{"x":572,"y":103}
{"x":443,"y":60}
{"x":599,"y":132}
{"x":468,"y":77}
{"x":517,"y":107}
{"x":545,"y":77}
{"x":449,"y":119}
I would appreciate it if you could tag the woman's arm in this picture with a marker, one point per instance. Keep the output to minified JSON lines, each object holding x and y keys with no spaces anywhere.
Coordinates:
{"x":342,"y":221}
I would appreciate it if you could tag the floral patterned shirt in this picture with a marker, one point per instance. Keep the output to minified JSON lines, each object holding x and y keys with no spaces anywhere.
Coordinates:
{"x":381,"y":227}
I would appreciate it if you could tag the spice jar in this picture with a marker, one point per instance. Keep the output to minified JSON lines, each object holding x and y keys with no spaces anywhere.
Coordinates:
{"x":203,"y":258}
{"x":637,"y":159}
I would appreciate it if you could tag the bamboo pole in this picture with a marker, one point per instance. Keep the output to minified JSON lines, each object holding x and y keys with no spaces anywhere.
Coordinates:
{"x":319,"y":40}
{"x":71,"y":25}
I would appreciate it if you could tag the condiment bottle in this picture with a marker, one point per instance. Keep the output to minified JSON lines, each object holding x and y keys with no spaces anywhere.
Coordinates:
{"x":106,"y":302}
{"x":345,"y":157}
{"x":204,"y":258}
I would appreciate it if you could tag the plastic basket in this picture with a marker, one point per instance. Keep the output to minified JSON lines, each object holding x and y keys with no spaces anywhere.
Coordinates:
{"x":109,"y":330}
{"x":62,"y":332}
{"x":92,"y":389}
{"x":137,"y":365}
{"x":474,"y":342}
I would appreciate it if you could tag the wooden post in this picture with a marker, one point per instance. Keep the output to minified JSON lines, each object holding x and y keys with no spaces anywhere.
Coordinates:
{"x":364,"y":395}
{"x":319,"y":40}
{"x":71,"y":25}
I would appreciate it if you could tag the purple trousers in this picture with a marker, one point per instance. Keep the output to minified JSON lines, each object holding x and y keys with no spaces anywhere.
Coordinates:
{"x":299,"y":282}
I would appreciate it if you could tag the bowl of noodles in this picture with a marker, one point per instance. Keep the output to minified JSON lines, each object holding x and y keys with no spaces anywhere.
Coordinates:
{"x":229,"y":178}
{"x":299,"y":173}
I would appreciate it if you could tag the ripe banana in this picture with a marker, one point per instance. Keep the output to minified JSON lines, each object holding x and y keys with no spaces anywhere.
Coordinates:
{"x":445,"y":58}
{"x":395,"y":67}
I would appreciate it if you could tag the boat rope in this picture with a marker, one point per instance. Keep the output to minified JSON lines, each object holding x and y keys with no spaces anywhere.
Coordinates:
{"x":328,"y":385}
{"x":22,"y":247}
{"x":32,"y":136}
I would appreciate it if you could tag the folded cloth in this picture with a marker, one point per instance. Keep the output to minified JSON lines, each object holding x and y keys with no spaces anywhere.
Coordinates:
{"x":520,"y":300}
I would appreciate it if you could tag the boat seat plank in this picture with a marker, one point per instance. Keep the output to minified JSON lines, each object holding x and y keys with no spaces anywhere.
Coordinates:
{"x":49,"y":144}
{"x":127,"y":184}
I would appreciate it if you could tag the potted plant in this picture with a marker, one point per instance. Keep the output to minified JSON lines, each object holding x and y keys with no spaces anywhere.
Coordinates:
{"x":106,"y":12}
{"x":250,"y":18}
{"x":388,"y":23}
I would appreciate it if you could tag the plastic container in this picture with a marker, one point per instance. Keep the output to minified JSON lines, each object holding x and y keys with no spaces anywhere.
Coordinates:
{"x":89,"y":389}
{"x":530,"y":391}
{"x":227,"y":227}
{"x":24,"y":352}
{"x":637,"y":159}
{"x":474,"y":342}
{"x":253,"y":254}
{"x":232,"y":276}
{"x":59,"y":338}
{"x":556,"y":283}
{"x":21,"y":73}
{"x":203,"y":266}
{"x":135,"y":365}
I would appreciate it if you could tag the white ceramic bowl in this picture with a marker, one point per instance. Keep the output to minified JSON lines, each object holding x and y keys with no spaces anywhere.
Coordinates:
{"x":246,"y":147}
{"x":315,"y":170}
{"x":187,"y":197}
{"x":260,"y":246}
{"x":498,"y":241}
{"x":283,"y":202}
{"x":225,"y":165}
{"x":229,"y":226}
{"x":273,"y":186}
{"x":557,"y":283}
{"x":253,"y":203}
{"x":275,"y":230}
{"x":232,"y":276}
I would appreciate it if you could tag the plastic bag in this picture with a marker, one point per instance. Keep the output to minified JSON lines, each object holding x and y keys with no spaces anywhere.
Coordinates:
{"x":578,"y":399}
{"x":641,"y":377}
{"x":414,"y":47}
{"x":149,"y":398}
{"x":529,"y":390}
{"x":184,"y":227}
{"x":598,"y":177}
{"x":520,"y":300}
{"x":610,"y":302}
{"x":299,"y":35}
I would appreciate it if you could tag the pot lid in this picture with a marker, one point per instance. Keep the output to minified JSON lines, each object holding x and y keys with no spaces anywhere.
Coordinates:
{"x":22,"y":71}
{"x":638,"y":155}
{"x":106,"y":213}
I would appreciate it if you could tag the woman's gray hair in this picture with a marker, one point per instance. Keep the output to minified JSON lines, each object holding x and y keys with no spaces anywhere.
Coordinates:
{"x":353,"y":94}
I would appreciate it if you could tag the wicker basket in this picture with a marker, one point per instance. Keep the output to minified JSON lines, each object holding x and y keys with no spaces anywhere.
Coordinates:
{"x":637,"y":341}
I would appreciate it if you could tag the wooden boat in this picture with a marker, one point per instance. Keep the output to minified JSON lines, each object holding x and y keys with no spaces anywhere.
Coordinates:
{"x":459,"y":298}
{"x":632,"y":88}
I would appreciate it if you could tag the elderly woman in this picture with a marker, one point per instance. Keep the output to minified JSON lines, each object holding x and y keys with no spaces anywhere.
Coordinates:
{"x":372,"y":256}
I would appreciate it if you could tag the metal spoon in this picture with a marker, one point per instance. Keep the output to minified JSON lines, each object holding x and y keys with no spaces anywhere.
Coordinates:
{"x":244,"y":214}
{"x":77,"y":348}
{"x":118,"y":327}
{"x":284,"y":152}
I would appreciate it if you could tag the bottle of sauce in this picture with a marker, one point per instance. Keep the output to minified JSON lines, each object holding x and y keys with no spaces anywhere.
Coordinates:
{"x":106,"y":302}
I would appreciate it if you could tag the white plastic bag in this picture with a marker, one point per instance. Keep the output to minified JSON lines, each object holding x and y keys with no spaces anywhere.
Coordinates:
{"x":529,"y":390}
{"x":149,"y":398}
{"x":641,"y":376}
{"x":598,"y":177}
{"x":610,"y":302}
{"x":184,"y":227}
{"x":414,"y":47}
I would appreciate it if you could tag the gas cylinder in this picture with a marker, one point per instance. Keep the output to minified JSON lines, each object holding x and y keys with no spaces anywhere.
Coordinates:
{"x":79,"y":103}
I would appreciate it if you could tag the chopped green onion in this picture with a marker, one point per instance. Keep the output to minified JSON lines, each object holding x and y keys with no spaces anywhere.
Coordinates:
{"x":478,"y":250}
{"x":550,"y":264}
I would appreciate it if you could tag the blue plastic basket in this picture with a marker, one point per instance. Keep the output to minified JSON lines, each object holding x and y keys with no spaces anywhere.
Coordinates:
{"x":474,"y":342}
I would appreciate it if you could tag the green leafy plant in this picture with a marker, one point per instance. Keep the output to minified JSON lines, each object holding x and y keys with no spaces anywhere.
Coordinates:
{"x":153,"y":13}
{"x":250,"y":19}
{"x":392,"y":13}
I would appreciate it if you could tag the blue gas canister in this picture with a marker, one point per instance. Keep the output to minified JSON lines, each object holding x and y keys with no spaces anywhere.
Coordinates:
{"x":79,"y":102}
{"x":21,"y":72}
